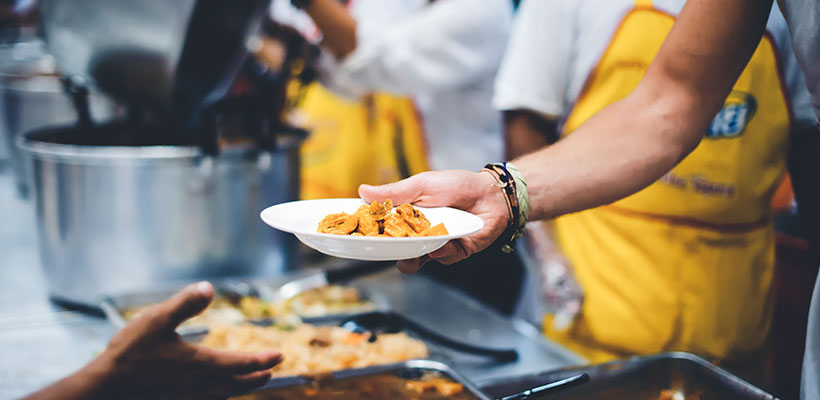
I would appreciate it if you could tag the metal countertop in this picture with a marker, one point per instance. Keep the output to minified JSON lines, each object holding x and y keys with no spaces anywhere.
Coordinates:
{"x":40,"y":342}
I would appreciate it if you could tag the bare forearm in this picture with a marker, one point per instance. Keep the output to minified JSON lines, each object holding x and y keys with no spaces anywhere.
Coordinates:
{"x":611,"y":156}
{"x":85,"y":384}
{"x":526,"y":131}
{"x":337,"y":26}
{"x":633,"y":142}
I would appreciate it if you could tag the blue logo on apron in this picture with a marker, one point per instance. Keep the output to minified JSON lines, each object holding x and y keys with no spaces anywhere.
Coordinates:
{"x":730,"y":122}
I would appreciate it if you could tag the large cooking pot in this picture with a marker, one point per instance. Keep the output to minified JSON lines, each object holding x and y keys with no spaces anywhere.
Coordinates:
{"x":119,"y":208}
{"x":32,"y":96}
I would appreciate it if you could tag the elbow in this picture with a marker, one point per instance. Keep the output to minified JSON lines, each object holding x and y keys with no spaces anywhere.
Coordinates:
{"x":683,"y":120}
{"x":345,"y":48}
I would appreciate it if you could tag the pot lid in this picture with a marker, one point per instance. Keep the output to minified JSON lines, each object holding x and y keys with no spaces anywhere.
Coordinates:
{"x":167,"y":56}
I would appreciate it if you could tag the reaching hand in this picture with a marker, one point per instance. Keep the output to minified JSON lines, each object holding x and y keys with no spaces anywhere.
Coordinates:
{"x":474,"y":192}
{"x":148,"y":358}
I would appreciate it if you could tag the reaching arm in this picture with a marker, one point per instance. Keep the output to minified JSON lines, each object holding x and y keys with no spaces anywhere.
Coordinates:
{"x":435,"y":47}
{"x":337,"y":26}
{"x":633,"y":142}
{"x":147,"y":359}
{"x":623,"y":148}
{"x":526,"y":131}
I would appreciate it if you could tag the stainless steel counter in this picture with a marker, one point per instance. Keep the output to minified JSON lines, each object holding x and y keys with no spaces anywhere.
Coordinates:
{"x":40,"y":342}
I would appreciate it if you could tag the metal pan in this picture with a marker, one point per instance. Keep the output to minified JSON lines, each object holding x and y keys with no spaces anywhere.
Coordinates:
{"x":116,"y":306}
{"x":408,"y":369}
{"x":413,"y":369}
{"x":390,"y":322}
{"x":271,"y":291}
{"x":643,"y":378}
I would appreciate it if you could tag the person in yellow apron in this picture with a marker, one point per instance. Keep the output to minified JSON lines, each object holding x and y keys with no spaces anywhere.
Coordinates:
{"x":687,"y":263}
{"x":373,"y":140}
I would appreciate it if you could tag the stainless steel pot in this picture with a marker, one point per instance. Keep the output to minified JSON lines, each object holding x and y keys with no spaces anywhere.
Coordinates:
{"x":120,"y":218}
{"x":31,"y":97}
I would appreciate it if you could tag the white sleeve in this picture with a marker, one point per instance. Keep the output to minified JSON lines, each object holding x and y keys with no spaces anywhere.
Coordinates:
{"x":448,"y":44}
{"x":793,"y":77}
{"x":535,"y":72}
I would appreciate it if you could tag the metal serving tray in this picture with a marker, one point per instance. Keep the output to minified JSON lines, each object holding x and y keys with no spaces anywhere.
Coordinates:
{"x":114,"y":306}
{"x":642,"y":378}
{"x":410,"y":368}
{"x":268,"y":291}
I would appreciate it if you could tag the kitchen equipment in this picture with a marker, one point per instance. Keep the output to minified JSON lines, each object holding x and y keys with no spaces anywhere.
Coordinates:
{"x":170,"y":57}
{"x":116,"y":307}
{"x":547,"y":389}
{"x":282,"y":388}
{"x":412,"y":369}
{"x":379,"y":322}
{"x":643,"y":378}
{"x":302,"y":218}
{"x":119,"y":208}
{"x":31,"y":97}
{"x":320,"y":278}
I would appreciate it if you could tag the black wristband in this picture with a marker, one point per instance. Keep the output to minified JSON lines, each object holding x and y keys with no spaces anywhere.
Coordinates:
{"x":507,"y":186}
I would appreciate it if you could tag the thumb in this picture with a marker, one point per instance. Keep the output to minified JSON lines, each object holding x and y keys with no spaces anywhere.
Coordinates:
{"x":404,"y":191}
{"x":188,"y":302}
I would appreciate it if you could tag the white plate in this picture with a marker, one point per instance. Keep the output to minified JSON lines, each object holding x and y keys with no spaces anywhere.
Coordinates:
{"x":302,"y":219}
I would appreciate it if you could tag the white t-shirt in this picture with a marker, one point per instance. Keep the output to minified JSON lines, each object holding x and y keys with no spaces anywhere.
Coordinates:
{"x":555,"y":44}
{"x":804,"y":24}
{"x":444,"y":55}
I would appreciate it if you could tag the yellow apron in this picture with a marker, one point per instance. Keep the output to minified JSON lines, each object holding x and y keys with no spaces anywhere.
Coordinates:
{"x":687,"y":263}
{"x":376,"y":140}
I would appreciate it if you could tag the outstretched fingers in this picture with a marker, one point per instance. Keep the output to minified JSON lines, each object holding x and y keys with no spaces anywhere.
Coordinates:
{"x":235,"y":363}
{"x":188,"y":302}
{"x":221,"y":386}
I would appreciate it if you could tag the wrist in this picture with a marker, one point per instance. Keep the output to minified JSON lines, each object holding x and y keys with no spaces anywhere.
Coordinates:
{"x":513,"y":188}
{"x":99,"y":377}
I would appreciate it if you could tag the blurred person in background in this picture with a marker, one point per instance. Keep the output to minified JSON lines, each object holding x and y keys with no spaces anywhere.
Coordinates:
{"x":443,"y":55}
{"x":686,"y":264}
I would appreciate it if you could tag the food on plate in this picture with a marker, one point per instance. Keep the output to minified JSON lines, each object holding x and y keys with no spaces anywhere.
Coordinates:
{"x":430,"y":386}
{"x":311,"y":350}
{"x":223,"y":310}
{"x":376,"y":219}
{"x":325,"y":300}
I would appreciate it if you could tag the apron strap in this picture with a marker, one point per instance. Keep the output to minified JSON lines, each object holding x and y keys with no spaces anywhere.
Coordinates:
{"x":643,"y":4}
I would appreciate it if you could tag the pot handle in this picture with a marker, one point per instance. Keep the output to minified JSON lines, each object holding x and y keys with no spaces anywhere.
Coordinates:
{"x":77,"y":91}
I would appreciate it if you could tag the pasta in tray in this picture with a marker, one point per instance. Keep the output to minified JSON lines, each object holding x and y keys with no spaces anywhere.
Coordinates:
{"x":310,"y":349}
{"x":377,"y":219}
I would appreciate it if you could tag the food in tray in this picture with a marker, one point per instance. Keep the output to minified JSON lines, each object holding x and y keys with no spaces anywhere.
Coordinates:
{"x":223,"y":310}
{"x":325,"y":300}
{"x":431,"y":386}
{"x":226,"y":310}
{"x":377,"y":219}
{"x":669,"y":394}
{"x":311,"y":350}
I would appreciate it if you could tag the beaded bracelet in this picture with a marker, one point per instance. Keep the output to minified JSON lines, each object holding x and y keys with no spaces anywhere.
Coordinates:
{"x":508,"y":184}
